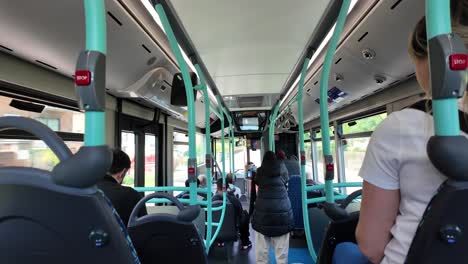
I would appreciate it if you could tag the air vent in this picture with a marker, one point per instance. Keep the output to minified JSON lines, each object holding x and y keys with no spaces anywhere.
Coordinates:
{"x":45,"y":64}
{"x":393,"y":83}
{"x":146,"y":48}
{"x":363,"y":36}
{"x":410,"y":75}
{"x":114,"y":18}
{"x":5,"y":48}
{"x":315,"y":83}
{"x":338,"y":61}
{"x":251,"y":101}
{"x":395,"y":4}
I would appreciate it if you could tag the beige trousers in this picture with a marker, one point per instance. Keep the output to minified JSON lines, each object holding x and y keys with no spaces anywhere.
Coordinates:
{"x":280,"y":245}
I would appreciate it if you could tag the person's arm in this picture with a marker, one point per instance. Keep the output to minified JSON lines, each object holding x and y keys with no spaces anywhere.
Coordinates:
{"x":379,"y":209}
{"x":381,"y":189}
{"x":253,"y":193}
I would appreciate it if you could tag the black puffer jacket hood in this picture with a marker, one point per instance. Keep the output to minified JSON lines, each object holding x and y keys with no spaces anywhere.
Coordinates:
{"x":272,"y":215}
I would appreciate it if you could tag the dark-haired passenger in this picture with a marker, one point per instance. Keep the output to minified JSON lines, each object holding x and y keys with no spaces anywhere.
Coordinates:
{"x":123,"y":198}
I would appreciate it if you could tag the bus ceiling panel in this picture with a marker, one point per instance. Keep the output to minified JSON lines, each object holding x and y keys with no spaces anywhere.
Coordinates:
{"x":250,"y":84}
{"x":50,"y":33}
{"x":351,"y":80}
{"x":384,"y":36}
{"x":359,"y":12}
{"x":401,"y":91}
{"x":250,"y":46}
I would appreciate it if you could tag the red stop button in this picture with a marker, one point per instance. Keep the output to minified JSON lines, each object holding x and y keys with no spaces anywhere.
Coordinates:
{"x":82,"y":78}
{"x":458,"y":62}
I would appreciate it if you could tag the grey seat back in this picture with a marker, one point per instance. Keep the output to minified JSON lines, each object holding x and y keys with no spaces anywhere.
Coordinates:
{"x":59,"y":216}
{"x":228,"y":232}
{"x":199,"y":222}
{"x":166,"y":237}
{"x":441,"y":235}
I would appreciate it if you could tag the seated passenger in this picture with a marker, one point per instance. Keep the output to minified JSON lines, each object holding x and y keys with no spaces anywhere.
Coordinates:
{"x":292,"y":165}
{"x":241,"y":214}
{"x":202,"y":180}
{"x":399,"y":178}
{"x":232,"y":189}
{"x":186,"y":194}
{"x":123,"y":198}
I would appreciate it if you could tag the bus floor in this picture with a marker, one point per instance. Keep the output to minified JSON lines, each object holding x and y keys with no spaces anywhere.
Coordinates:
{"x":298,"y":252}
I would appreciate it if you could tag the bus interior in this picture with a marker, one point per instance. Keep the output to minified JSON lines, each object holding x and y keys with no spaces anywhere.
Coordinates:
{"x":198,"y":89}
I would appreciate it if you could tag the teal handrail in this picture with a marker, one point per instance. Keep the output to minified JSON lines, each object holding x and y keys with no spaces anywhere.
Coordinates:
{"x":233,"y":165}
{"x":191,"y":128}
{"x":188,"y":91}
{"x":305,"y":213}
{"x":231,"y":139}
{"x":223,"y":161}
{"x":323,"y":199}
{"x":287,"y":107}
{"x":209,"y":159}
{"x":335,"y":185}
{"x":445,"y":111}
{"x":328,"y":158}
{"x":95,"y":18}
{"x":213,"y":109}
{"x":161,"y":189}
{"x":271,"y":129}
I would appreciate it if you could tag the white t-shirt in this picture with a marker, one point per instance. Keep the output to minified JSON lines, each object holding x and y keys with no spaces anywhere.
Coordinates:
{"x":396,"y":158}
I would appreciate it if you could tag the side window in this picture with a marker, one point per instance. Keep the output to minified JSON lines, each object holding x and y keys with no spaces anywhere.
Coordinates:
{"x":22,"y":149}
{"x":150,"y":160}
{"x":357,"y":135}
{"x":200,"y":148}
{"x":180,"y":157}
{"x":128,"y":146}
{"x":320,"y":163}
{"x":52,"y":123}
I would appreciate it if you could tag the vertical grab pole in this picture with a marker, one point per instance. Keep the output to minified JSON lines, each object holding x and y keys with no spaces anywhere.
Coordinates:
{"x":95,"y":119}
{"x":232,"y":147}
{"x":208,"y":161}
{"x":305,"y":212}
{"x":223,"y":212}
{"x":192,"y":161}
{"x":272,"y":127}
{"x":328,"y":158}
{"x":446,"y":119}
{"x":231,"y":142}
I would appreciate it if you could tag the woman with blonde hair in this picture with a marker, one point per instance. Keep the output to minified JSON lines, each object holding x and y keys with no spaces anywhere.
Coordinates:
{"x":399,"y":178}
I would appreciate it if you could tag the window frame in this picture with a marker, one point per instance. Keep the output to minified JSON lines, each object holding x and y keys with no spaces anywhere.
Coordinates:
{"x":140,"y":127}
{"x":34,"y":96}
{"x":338,"y":136}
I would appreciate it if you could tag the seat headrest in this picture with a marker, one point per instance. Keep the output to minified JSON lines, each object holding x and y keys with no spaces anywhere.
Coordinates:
{"x":189,"y":213}
{"x":83,"y":169}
